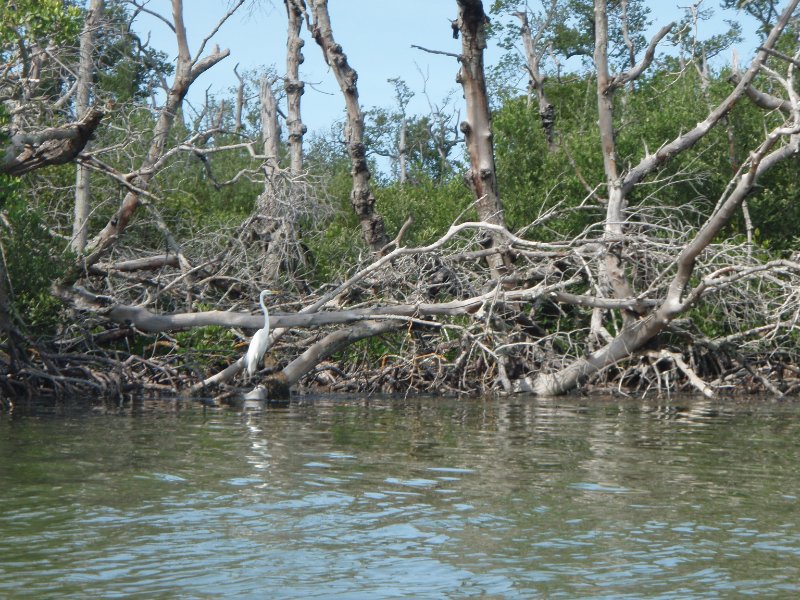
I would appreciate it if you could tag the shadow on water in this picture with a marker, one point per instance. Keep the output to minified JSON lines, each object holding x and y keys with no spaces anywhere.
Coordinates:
{"x":420,"y":497}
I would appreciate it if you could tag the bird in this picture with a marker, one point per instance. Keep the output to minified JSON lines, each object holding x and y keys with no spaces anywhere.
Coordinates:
{"x":260,"y":341}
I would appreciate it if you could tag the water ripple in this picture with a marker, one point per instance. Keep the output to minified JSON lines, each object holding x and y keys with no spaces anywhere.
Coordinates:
{"x":426,"y":498}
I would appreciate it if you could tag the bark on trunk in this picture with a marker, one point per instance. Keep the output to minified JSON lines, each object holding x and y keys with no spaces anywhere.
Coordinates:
{"x":477,"y":126}
{"x":270,"y":126}
{"x":278,"y":224}
{"x":362,"y":199}
{"x":402,"y":152}
{"x":293,"y":85}
{"x":82,"y":98}
{"x":237,"y":117}
{"x":612,"y":275}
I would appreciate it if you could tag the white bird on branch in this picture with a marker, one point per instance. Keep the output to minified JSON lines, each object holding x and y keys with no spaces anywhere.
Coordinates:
{"x":260,"y":341}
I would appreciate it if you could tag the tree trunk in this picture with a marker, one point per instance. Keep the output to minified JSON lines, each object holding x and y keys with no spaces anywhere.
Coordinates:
{"x":477,"y":126}
{"x":293,"y":85}
{"x":237,"y":116}
{"x":612,"y":275}
{"x":275,"y":229}
{"x":362,"y":199}
{"x":402,"y":152}
{"x":83,"y":92}
{"x":270,"y":126}
{"x":678,"y":299}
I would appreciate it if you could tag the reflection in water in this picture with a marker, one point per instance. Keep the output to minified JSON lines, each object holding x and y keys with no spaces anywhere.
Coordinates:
{"x":421,"y":497}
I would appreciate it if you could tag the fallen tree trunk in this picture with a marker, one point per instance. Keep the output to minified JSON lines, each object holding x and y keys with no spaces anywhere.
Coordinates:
{"x":149,"y":322}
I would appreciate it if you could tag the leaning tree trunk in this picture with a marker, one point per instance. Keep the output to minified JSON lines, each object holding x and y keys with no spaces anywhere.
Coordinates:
{"x":293,"y":85}
{"x":678,"y":298}
{"x":362,"y":199}
{"x":477,"y":126}
{"x":82,"y":94}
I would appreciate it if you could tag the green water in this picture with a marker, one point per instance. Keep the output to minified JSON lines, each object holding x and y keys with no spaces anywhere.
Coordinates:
{"x":422,"y":498}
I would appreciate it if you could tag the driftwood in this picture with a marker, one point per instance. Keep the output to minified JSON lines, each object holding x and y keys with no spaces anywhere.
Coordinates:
{"x":277,"y":385}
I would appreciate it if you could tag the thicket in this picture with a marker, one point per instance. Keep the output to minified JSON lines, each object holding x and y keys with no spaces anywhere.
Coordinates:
{"x":208,"y":201}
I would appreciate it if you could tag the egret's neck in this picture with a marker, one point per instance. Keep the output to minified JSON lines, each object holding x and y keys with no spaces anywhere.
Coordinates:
{"x":264,"y":307}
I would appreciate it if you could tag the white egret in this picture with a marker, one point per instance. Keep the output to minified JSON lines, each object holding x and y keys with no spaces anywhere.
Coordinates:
{"x":260,"y":341}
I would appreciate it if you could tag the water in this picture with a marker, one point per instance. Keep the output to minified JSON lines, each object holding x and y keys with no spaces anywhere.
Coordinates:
{"x":422,"y":498}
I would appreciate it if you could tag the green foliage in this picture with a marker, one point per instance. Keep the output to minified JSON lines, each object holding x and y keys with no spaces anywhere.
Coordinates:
{"x":764,"y":11}
{"x":34,"y":261}
{"x":192,"y":198}
{"x":664,"y":105}
{"x":570,"y":30}
{"x":530,"y":177}
{"x":372,"y":351}
{"x":37,"y":20}
{"x":433,"y":206}
{"x":127,"y":69}
{"x":212,"y":338}
{"x":340,"y":242}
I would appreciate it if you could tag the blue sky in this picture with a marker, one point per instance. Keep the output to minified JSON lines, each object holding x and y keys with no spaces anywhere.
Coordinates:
{"x":376,"y":35}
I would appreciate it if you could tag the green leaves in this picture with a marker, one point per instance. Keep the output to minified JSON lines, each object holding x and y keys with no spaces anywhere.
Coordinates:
{"x":38,"y":20}
{"x":33,"y":258}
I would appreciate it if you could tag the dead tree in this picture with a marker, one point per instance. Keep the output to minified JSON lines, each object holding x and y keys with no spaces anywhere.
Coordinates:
{"x":187,"y":70}
{"x":276,"y":223}
{"x":270,"y":125}
{"x":293,"y":85}
{"x":679,"y":295}
{"x":237,"y":116}
{"x":534,"y":51}
{"x":82,"y":98}
{"x":361,"y":197}
{"x":477,"y":126}
{"x":613,"y":275}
